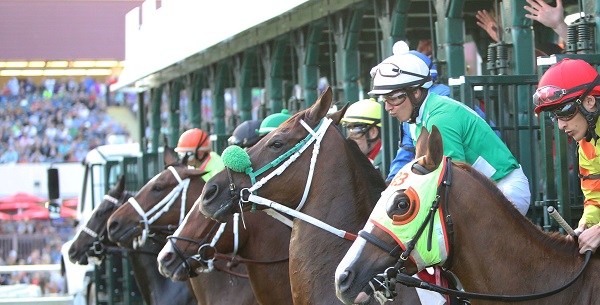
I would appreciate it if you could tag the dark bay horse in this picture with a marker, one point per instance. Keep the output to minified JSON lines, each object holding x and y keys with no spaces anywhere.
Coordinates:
{"x":92,"y":241}
{"x":158,"y":204}
{"x":477,"y":234}
{"x":262,"y":246}
{"x":344,"y":188}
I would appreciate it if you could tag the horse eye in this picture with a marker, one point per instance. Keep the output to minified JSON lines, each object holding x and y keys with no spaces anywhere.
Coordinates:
{"x":156,"y":188}
{"x":277,"y":144}
{"x":400,"y":206}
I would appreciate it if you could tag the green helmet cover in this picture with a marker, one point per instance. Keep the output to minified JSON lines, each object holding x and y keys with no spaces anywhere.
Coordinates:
{"x":273,"y":121}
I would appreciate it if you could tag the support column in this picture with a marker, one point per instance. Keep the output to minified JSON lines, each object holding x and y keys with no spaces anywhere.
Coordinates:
{"x":218,"y":99}
{"x":352,"y":57}
{"x":194,"y":88}
{"x":155,"y":122}
{"x":174,"y":121}
{"x":310,"y":69}
{"x":276,"y":79}
{"x":245,"y":85}
{"x":455,"y":39}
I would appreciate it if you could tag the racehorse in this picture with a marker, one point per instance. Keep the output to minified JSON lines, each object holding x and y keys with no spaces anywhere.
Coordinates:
{"x":262,"y":246}
{"x":344,"y":188}
{"x":91,"y":241}
{"x":436,"y":212}
{"x":158,"y":205}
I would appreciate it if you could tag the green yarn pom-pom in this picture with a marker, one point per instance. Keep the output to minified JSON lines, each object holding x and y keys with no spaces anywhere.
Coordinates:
{"x":236,"y":158}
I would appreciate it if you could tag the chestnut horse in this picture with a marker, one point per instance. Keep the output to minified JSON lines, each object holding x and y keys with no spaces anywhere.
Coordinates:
{"x":344,"y":189}
{"x":158,"y":204}
{"x":92,"y":241}
{"x":262,"y":246}
{"x":440,"y":213}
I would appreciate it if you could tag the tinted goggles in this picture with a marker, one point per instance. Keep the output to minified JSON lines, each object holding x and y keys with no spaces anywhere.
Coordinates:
{"x":565,"y":111}
{"x":395,"y":99}
{"x":553,"y":94}
{"x":389,"y":69}
{"x":355,"y":131}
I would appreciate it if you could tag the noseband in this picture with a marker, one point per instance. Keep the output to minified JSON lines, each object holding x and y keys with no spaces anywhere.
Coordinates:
{"x":160,"y":208}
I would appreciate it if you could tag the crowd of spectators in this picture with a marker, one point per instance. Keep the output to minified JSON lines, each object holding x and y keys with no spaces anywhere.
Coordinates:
{"x":53,"y":120}
{"x":45,"y":251}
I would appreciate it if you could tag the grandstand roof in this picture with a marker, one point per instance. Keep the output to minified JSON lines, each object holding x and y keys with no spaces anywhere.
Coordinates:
{"x":63,"y":30}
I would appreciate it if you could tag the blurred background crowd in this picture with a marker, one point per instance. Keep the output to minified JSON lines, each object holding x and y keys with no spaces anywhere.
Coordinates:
{"x":54,"y":120}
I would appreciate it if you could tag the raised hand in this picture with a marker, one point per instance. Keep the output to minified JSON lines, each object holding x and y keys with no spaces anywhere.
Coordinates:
{"x":488,"y":23}
{"x":552,"y":17}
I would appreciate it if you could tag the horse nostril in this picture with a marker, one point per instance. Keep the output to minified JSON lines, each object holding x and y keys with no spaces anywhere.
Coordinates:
{"x":112,"y":228}
{"x":210,"y":192}
{"x":343,"y":280}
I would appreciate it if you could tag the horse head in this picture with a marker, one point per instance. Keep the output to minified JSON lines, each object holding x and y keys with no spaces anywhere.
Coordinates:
{"x":162,"y":203}
{"x":91,"y":239}
{"x":283,"y":153}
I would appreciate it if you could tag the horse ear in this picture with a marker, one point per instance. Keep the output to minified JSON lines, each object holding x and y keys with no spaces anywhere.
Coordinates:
{"x":421,"y":147}
{"x":120,"y":186}
{"x":435,"y":147}
{"x":338,"y":115}
{"x":317,"y":111}
{"x":169,"y":155}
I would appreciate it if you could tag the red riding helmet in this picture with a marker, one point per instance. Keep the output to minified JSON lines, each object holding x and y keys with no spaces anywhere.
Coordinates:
{"x":192,"y":140}
{"x":566,"y":80}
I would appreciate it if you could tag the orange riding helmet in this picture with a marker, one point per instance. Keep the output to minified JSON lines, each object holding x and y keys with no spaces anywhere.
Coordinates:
{"x":193,"y":140}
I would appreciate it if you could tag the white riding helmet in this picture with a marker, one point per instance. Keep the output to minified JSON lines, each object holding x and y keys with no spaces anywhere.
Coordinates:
{"x":401,"y":70}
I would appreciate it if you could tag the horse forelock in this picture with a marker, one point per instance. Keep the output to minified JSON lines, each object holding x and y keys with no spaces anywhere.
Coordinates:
{"x":553,"y":239}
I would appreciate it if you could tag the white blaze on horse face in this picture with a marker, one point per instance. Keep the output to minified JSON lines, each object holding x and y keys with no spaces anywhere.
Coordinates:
{"x":354,"y":252}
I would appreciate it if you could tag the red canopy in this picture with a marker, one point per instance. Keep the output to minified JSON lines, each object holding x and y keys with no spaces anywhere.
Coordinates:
{"x":44,"y":214}
{"x":22,"y":198}
{"x":4,"y":216}
{"x":21,"y":201}
{"x":72,"y":202}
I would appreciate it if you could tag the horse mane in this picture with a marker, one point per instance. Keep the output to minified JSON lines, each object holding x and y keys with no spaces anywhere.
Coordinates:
{"x":361,"y":164}
{"x":553,"y":239}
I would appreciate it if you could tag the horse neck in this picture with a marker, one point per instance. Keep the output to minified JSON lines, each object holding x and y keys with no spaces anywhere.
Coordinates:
{"x":493,"y":241}
{"x":156,"y":288}
{"x":345,"y":188}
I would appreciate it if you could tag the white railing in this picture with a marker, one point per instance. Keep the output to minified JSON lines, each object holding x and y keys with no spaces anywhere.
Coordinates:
{"x":29,"y":294}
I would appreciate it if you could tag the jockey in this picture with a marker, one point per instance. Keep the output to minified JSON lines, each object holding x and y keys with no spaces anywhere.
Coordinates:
{"x":195,"y":144}
{"x":363,"y":125}
{"x":273,"y":121}
{"x":403,"y":81}
{"x":246,"y":134}
{"x":569,"y":91}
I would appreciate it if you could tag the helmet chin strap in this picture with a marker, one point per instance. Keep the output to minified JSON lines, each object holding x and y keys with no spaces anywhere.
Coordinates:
{"x":416,"y":103}
{"x":592,"y":119}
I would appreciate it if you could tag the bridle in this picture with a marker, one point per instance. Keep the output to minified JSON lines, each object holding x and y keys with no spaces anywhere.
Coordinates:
{"x":383,"y":284}
{"x":161,"y":207}
{"x":248,"y":195}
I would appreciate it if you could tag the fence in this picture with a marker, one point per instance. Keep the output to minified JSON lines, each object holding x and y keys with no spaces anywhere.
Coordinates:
{"x":24,"y":244}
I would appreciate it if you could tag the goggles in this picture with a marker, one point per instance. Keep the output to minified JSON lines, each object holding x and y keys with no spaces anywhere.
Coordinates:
{"x":553,"y":94}
{"x":355,"y":131}
{"x":395,"y":99}
{"x":234,"y":141}
{"x":184,"y":154}
{"x":566,"y":111}
{"x":389,"y":69}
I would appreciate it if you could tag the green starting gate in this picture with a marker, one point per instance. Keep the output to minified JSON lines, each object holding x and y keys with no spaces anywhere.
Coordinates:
{"x":547,"y":155}
{"x":113,"y":278}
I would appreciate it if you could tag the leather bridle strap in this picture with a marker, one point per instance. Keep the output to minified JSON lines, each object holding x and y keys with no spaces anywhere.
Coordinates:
{"x":410,"y":281}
